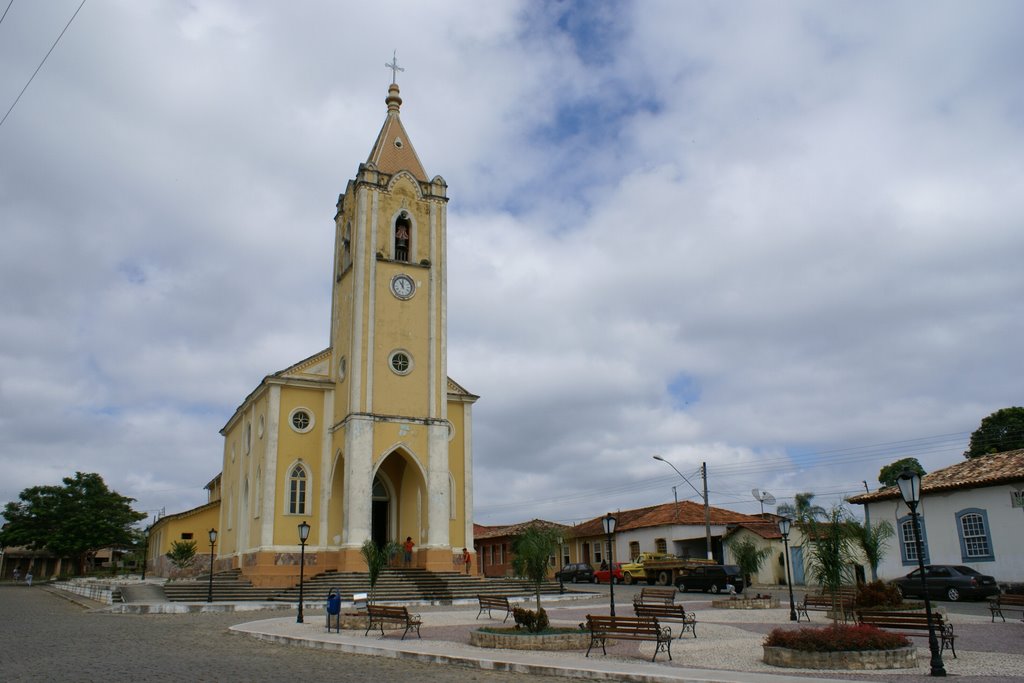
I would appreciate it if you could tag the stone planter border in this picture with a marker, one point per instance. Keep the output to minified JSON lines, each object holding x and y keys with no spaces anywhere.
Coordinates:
{"x":903,"y":658}
{"x":511,"y":641}
{"x":746,"y":603}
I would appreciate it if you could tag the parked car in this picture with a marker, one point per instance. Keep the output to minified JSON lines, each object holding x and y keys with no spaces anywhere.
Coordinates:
{"x":713,"y":577}
{"x":614,"y":574}
{"x":576,"y":572}
{"x":949,"y":582}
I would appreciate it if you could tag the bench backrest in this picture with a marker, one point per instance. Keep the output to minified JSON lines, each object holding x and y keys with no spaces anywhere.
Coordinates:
{"x":387,"y":611}
{"x":665,"y":595}
{"x":900,"y":619}
{"x":653,"y":609}
{"x":493,"y":600}
{"x":1008,"y":599}
{"x":639,"y":625}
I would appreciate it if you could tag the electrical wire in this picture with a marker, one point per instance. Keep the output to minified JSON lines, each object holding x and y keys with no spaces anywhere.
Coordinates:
{"x":5,"y":11}
{"x":32,"y":77}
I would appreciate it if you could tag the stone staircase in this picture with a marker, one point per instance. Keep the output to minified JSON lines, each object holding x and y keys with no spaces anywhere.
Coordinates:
{"x":393,"y":585}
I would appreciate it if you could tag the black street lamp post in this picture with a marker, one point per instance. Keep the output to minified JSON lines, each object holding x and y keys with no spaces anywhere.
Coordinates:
{"x":609,"y":529}
{"x":910,"y":488}
{"x":784,"y":525}
{"x":303,"y":535}
{"x":213,"y":540}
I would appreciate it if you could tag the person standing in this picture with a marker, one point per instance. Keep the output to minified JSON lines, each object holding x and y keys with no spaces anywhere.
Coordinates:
{"x":466,"y":559}
{"x":408,"y":546}
{"x":28,"y":577}
{"x":17,"y":575}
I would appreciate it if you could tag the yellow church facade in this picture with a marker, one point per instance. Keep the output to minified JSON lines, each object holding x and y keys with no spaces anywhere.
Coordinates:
{"x":368,"y":439}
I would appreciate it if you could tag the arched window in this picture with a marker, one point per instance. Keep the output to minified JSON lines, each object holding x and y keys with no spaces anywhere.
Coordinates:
{"x":297,"y":491}
{"x":403,"y":232}
{"x":975,"y":541}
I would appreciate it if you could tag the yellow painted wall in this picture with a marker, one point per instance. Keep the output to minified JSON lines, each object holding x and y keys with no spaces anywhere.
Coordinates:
{"x":294,"y":447}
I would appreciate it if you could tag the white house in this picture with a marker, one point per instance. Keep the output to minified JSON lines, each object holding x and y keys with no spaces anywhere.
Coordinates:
{"x":972,"y":513}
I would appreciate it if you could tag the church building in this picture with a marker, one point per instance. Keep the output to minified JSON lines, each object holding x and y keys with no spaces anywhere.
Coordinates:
{"x":369,"y":438}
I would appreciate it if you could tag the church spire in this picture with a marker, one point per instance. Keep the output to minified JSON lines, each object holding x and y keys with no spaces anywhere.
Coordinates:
{"x":393,"y":151}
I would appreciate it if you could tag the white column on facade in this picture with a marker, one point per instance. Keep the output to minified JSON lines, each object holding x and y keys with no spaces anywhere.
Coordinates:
{"x":326,"y":443}
{"x":371,"y":300}
{"x":467,"y":485}
{"x":437,"y":380}
{"x":438,"y":503}
{"x":269,"y":482}
{"x":358,"y":481}
{"x":355,"y":369}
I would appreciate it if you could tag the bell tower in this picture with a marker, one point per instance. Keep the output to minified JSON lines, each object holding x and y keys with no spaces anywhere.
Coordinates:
{"x":390,"y":432}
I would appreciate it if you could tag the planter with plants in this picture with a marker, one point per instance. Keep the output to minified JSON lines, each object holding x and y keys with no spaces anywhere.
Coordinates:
{"x":532,"y":631}
{"x":747,"y":602}
{"x":839,"y":646}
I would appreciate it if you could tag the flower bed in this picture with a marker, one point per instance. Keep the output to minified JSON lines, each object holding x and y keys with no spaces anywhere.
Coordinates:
{"x":511,"y":639}
{"x":839,"y":647}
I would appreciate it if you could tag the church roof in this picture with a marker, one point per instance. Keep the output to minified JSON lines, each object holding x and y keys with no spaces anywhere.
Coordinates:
{"x":985,"y":470}
{"x":393,"y":151}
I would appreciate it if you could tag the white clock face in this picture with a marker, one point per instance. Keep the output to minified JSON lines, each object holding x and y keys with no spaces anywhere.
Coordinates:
{"x":402,"y":286}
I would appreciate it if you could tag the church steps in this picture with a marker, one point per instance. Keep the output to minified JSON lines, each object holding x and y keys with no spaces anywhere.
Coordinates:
{"x":393,"y":585}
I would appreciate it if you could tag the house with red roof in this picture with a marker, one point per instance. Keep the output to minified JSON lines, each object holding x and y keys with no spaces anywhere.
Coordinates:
{"x":972,"y":513}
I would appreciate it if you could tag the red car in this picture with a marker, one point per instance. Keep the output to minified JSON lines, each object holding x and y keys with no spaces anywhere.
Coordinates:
{"x":601,"y":575}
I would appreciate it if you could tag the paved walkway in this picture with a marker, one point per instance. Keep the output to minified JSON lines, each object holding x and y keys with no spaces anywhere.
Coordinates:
{"x":728,"y":646}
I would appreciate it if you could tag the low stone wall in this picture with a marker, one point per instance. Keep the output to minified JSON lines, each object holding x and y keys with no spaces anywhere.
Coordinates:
{"x":903,"y":658}
{"x":512,"y":641}
{"x":100,"y":592}
{"x":747,"y":603}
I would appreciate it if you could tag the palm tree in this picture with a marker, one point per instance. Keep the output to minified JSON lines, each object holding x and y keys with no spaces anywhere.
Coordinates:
{"x":748,"y":556}
{"x":830,"y":557}
{"x":801,"y":510}
{"x":531,"y":550}
{"x":377,"y":557}
{"x":871,"y":540}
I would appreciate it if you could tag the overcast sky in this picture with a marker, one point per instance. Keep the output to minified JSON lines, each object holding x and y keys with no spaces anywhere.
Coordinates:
{"x":782,"y":238}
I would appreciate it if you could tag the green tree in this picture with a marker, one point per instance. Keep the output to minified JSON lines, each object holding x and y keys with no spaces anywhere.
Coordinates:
{"x":1001,"y":431}
{"x":872,"y":541}
{"x":182,"y":554}
{"x":531,"y":551}
{"x":830,"y":556}
{"x":801,"y":510}
{"x":748,"y":556}
{"x":377,"y":558}
{"x":888,"y":475}
{"x":71,"y":520}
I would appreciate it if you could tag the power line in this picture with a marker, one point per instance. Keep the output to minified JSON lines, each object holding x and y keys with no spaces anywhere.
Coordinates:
{"x":32,"y":77}
{"x":5,"y":11}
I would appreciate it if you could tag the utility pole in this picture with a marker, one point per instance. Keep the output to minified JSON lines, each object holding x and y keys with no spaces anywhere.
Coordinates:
{"x":707,"y":509}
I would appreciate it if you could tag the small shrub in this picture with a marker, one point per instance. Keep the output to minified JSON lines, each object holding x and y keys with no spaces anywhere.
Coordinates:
{"x":836,"y":638}
{"x":878,"y":594}
{"x":531,"y":621}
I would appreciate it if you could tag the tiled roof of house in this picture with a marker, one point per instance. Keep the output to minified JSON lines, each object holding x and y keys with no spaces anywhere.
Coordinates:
{"x":686,"y":512}
{"x":987,"y":470}
{"x":481,"y":532}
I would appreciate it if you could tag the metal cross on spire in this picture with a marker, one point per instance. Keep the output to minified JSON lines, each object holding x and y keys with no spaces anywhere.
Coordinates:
{"x":394,"y":67}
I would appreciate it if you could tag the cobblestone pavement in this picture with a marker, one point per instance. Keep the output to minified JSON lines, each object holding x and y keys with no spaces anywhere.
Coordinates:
{"x":46,"y":638}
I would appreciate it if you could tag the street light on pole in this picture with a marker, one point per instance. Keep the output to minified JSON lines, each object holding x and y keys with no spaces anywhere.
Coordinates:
{"x":213,"y":540}
{"x":910,"y":488}
{"x":609,"y":529}
{"x":704,"y":497}
{"x":784,"y":525}
{"x":303,"y":535}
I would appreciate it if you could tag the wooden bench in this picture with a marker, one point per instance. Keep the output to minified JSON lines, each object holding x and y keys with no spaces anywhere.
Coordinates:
{"x":489,"y":602}
{"x":911,"y":624}
{"x":664,"y":596}
{"x":1013,"y":603}
{"x":674,"y":613}
{"x":397,"y":617}
{"x":603,"y":628}
{"x":822,"y":602}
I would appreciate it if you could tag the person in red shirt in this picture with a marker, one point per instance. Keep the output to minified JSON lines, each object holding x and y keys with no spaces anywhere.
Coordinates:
{"x":408,"y":545}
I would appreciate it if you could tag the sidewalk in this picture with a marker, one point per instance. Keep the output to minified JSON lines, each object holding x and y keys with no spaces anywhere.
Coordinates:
{"x":727,"y":649}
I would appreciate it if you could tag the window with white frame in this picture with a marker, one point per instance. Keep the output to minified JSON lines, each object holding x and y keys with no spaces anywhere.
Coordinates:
{"x":565,"y":554}
{"x":597,"y":552}
{"x":297,"y":491}
{"x":975,"y":542}
{"x":660,"y":545}
{"x":634,"y":550}
{"x":908,"y":540}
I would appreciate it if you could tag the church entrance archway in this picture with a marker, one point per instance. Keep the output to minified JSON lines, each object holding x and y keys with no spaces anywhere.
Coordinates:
{"x":380,"y":524}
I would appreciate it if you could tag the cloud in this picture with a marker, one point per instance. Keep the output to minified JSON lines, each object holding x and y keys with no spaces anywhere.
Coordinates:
{"x":782,"y":241}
